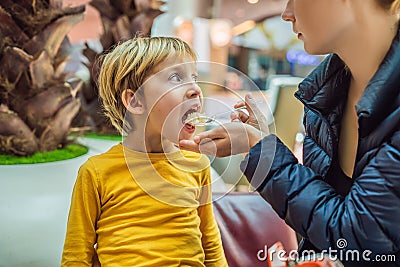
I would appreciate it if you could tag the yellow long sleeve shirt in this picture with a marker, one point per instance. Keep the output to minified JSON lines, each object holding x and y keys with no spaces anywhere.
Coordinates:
{"x":143,"y":210}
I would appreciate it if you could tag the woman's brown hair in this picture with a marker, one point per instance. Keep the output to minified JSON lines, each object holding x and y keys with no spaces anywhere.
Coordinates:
{"x":393,"y":5}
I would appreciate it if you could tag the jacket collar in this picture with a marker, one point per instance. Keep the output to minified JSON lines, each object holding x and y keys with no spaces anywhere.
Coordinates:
{"x":382,"y":92}
{"x":325,"y":85}
{"x":329,"y":82}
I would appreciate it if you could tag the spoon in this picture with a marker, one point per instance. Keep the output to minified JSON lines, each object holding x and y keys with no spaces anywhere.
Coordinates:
{"x":201,"y":119}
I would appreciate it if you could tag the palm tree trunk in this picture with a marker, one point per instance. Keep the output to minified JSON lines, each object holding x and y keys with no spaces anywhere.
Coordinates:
{"x":37,"y":104}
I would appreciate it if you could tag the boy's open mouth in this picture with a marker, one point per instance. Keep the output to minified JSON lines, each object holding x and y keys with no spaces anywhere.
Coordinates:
{"x":189,"y":125}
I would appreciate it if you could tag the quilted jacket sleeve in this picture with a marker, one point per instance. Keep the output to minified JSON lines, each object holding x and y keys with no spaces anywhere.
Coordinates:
{"x":368,"y":217}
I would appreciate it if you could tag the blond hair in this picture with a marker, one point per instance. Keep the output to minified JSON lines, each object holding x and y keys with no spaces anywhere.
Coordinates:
{"x":128,"y":65}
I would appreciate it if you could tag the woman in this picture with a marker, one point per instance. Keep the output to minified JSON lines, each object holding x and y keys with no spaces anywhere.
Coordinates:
{"x":346,"y":196}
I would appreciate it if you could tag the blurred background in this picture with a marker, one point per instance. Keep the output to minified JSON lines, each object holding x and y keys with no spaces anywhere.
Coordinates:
{"x":248,"y":35}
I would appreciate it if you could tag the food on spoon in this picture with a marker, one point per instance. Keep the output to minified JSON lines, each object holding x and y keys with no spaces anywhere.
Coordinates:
{"x":197,"y":118}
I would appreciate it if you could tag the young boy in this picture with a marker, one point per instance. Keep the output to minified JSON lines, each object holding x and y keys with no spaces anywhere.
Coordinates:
{"x":144,"y":202}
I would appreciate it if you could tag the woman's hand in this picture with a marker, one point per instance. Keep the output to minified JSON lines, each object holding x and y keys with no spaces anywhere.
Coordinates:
{"x":255,"y":117}
{"x":231,"y":138}
{"x":225,"y":140}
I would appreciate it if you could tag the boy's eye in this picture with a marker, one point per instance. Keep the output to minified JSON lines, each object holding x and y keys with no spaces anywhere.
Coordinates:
{"x":175,"y":77}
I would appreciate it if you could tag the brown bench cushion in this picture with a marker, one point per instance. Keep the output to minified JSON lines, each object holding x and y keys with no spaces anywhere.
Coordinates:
{"x":247,"y":224}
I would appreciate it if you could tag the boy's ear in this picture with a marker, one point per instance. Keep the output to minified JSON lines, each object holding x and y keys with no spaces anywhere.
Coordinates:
{"x":132,"y":102}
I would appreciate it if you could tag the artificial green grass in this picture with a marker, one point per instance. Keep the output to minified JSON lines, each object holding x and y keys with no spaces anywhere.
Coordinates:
{"x":69,"y":152}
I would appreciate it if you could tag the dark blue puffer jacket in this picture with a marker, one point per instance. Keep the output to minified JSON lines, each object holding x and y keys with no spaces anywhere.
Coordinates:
{"x":365,"y":216}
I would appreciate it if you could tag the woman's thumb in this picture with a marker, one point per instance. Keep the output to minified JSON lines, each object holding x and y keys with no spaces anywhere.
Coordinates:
{"x":255,"y":113}
{"x":251,"y":104}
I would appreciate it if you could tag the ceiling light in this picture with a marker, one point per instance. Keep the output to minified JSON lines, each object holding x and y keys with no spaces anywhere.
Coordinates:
{"x":243,"y":27}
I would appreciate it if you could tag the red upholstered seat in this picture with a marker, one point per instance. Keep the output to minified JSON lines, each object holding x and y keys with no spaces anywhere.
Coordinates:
{"x":248,"y":224}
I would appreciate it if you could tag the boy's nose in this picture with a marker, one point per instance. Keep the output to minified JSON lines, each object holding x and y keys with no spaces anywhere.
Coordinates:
{"x":288,"y":13}
{"x":194,"y":90}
